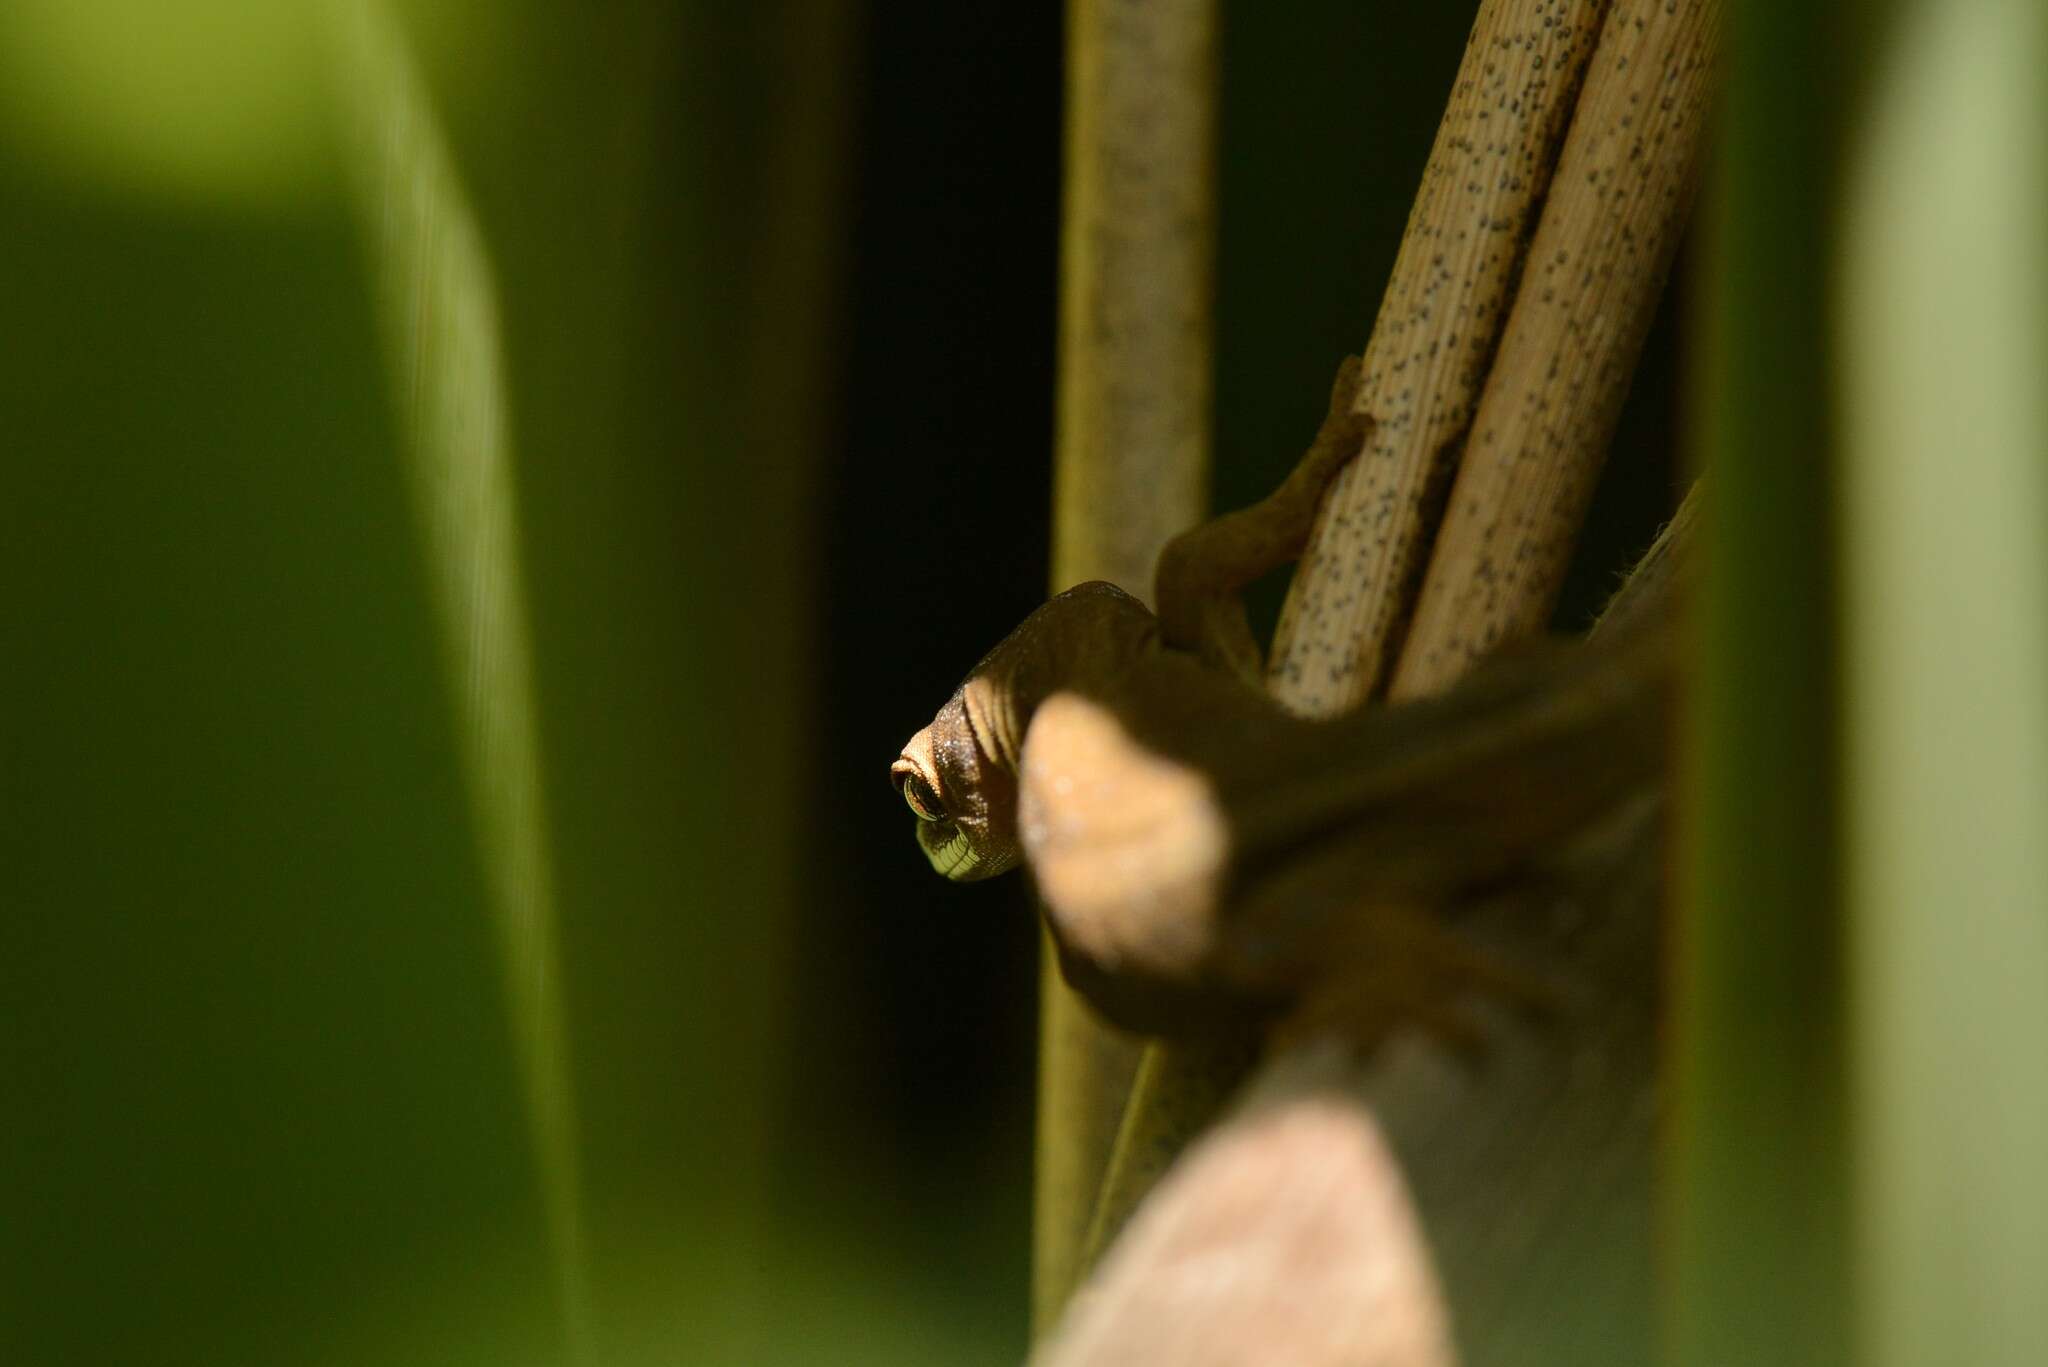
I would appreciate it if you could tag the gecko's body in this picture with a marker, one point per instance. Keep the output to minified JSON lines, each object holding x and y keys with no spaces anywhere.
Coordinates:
{"x":1202,"y":853}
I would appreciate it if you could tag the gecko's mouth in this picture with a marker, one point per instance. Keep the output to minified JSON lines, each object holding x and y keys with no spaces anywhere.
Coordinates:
{"x":947,"y":846}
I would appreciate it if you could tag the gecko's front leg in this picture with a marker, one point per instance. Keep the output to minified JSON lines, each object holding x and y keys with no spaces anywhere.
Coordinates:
{"x":1203,"y":571}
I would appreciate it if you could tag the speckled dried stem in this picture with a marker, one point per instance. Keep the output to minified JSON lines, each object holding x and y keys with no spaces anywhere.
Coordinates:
{"x":1131,"y":461}
{"x":1434,"y":339}
{"x":1442,"y":311}
{"x":1618,"y":205}
{"x":1486,"y":175}
{"x":1544,"y":1246}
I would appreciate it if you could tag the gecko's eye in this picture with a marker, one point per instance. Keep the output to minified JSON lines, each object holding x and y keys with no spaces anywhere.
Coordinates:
{"x":922,"y":799}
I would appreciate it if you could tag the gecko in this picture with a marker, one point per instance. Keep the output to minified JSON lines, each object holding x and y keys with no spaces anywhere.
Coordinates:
{"x":1204,"y":857}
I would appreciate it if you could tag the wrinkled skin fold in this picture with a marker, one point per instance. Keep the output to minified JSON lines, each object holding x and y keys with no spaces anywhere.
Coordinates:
{"x":1203,"y":855}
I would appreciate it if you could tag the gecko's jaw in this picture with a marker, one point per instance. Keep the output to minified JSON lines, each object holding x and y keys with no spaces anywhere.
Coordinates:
{"x":947,"y":846}
{"x":954,"y":856}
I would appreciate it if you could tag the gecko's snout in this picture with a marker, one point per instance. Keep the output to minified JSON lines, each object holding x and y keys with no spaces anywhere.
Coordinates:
{"x":965,"y":812}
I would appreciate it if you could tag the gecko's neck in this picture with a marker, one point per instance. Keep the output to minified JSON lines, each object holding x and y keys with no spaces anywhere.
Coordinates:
{"x":1083,"y":640}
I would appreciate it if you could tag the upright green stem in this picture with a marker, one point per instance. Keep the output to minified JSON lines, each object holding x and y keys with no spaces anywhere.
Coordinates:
{"x":1944,"y":292}
{"x":1756,"y":1173}
{"x":1132,"y":463}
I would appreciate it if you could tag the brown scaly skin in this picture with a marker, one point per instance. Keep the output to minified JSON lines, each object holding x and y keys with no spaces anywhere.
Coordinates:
{"x":1204,"y":856}
{"x":959,"y":774}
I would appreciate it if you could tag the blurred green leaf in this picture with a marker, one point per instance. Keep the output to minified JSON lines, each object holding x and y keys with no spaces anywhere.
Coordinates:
{"x":107,"y":89}
{"x":1756,"y":1169}
{"x":438,"y":303}
{"x":1944,"y":313}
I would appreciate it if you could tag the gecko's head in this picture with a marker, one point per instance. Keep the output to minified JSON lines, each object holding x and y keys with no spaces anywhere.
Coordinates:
{"x":959,"y":774}
{"x":964,"y":797}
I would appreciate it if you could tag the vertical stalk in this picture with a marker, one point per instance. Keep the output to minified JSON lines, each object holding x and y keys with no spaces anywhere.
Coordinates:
{"x":1945,"y":646}
{"x":1132,"y":457}
{"x":1756,"y":1170}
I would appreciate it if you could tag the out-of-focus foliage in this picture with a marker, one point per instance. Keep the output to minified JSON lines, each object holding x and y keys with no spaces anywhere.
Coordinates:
{"x":208,"y":100}
{"x":439,"y":308}
{"x":273,"y":1085}
{"x":1864,"y":955}
{"x":1756,"y":1163}
{"x":1943,"y":296}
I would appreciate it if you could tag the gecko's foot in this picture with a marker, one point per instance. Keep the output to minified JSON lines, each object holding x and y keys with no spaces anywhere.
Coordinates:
{"x":1403,"y":968}
{"x":1337,"y":440}
{"x":1202,"y":571}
